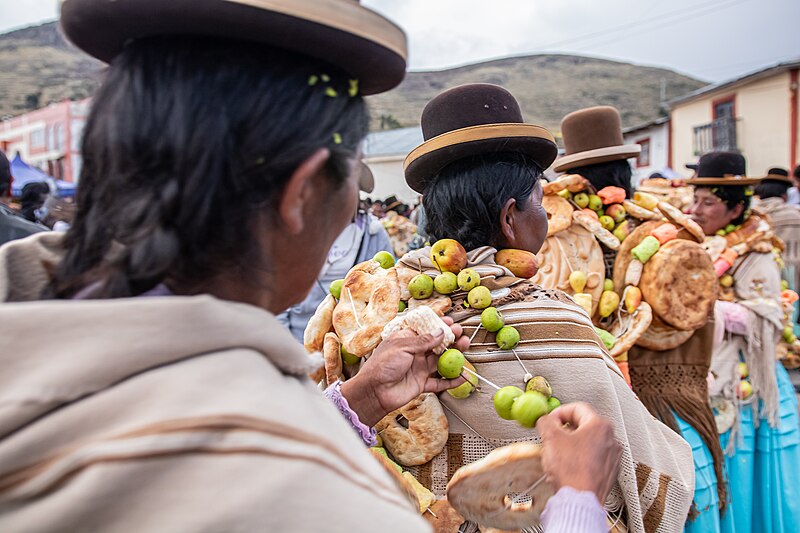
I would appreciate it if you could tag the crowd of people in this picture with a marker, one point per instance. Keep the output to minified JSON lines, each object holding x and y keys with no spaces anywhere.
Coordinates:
{"x":178,"y":384}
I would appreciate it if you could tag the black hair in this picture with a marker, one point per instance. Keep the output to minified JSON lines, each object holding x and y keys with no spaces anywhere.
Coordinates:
{"x":33,"y":196}
{"x":772,"y":189}
{"x":796,"y":172}
{"x":733,"y":196}
{"x":464,"y":201}
{"x":5,"y":175}
{"x":612,"y":173}
{"x":188,"y":140}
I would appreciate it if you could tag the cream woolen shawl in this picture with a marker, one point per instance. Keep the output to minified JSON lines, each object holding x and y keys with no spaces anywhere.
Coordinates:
{"x":169,"y":414}
{"x":656,"y":481}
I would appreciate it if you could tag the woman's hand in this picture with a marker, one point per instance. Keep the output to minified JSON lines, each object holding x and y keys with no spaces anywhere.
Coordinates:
{"x":583,"y":455}
{"x":401,"y":368}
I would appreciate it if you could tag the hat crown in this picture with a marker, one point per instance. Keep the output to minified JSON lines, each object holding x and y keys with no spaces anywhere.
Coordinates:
{"x":721,"y":164}
{"x":778,"y":171}
{"x":591,"y":128}
{"x":474,"y":104}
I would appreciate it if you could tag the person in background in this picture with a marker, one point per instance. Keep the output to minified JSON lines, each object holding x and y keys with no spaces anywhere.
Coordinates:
{"x":33,"y":198}
{"x":12,"y":226}
{"x":364,"y":237}
{"x":761,"y":435}
{"x":793,"y":194}
{"x":772,"y":192}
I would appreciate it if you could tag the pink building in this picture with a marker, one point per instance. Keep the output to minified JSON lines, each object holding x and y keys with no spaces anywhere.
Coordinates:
{"x":48,"y":138}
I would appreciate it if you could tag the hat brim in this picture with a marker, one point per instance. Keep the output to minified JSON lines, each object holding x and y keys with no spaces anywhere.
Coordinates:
{"x":359,"y":41}
{"x":728,"y":182}
{"x":366,"y":180}
{"x":777,"y":177}
{"x":598,"y":155}
{"x":429,"y":158}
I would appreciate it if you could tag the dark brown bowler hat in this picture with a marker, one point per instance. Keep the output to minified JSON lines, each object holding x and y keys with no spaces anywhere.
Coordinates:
{"x":777,"y":174}
{"x":473,"y":119}
{"x":722,"y":168}
{"x":359,"y":41}
{"x":593,"y":135}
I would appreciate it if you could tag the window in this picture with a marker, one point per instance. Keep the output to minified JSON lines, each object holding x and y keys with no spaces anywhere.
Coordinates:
{"x":37,"y":138}
{"x":643,"y":160}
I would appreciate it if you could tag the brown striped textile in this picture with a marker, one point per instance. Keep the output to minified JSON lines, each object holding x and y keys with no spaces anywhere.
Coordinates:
{"x":558,"y":342}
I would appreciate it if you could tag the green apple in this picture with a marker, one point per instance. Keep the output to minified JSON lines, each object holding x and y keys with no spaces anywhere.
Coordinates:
{"x":348,"y":358}
{"x":336,"y":288}
{"x":784,"y":285}
{"x":507,"y":338}
{"x":540,"y":385}
{"x":528,"y":408}
{"x":720,"y":232}
{"x":788,"y":333}
{"x":595,"y":202}
{"x":607,"y":222}
{"x":552,"y":404}
{"x":384,"y":258}
{"x":401,"y":306}
{"x":492,"y":320}
{"x":468,"y":279}
{"x":503,"y":400}
{"x":479,"y":298}
{"x":743,"y":372}
{"x":421,"y":286}
{"x":466,"y":388}
{"x":565,"y":194}
{"x":608,"y":285}
{"x":451,"y":363}
{"x":744,"y":390}
{"x":730,"y":228}
{"x":581,"y":200}
{"x":577,"y":280}
{"x":445,"y":283}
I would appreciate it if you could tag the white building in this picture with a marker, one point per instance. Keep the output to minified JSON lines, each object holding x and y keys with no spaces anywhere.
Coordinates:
{"x":653,"y":137}
{"x":384,"y":152}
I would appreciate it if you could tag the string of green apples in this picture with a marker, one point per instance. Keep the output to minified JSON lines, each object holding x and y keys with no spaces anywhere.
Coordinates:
{"x":510,"y":402}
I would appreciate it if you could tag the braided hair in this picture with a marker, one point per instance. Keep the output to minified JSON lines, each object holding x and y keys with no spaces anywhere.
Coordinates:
{"x":188,"y":140}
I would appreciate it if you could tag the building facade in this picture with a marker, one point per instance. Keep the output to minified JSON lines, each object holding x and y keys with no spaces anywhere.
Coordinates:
{"x":653,"y":137}
{"x":48,"y":138}
{"x":756,"y":115}
{"x":384,"y":153}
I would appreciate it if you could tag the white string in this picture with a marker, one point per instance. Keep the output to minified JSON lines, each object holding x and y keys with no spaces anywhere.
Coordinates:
{"x":479,"y":377}
{"x":353,"y":306}
{"x":468,"y":426}
{"x":522,"y":365}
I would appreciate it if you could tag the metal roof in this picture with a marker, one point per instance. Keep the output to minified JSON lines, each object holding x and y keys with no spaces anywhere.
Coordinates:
{"x":392,"y":142}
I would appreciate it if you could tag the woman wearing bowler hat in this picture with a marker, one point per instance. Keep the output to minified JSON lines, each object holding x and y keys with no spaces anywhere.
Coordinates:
{"x":479,"y":171}
{"x":219,"y":167}
{"x":754,"y":400}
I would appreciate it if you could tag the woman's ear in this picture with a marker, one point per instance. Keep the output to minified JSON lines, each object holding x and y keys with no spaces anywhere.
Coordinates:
{"x":299,"y":191}
{"x":507,"y":222}
{"x":736,"y":212}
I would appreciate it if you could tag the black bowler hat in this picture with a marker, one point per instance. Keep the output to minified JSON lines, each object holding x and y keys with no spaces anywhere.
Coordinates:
{"x":474,"y":119}
{"x":722,"y":168}
{"x":359,"y":41}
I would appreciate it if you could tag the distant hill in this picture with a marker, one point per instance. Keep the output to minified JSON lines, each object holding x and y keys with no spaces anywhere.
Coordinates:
{"x":38,"y":67}
{"x":546,"y":86}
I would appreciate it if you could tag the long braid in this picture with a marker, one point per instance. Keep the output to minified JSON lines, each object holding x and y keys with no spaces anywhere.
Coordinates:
{"x":188,"y":140}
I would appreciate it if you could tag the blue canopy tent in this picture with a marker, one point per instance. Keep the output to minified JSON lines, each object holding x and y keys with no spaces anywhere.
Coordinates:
{"x":22,"y":174}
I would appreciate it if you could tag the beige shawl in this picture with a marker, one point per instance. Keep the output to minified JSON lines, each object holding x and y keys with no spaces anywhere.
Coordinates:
{"x":656,"y":481}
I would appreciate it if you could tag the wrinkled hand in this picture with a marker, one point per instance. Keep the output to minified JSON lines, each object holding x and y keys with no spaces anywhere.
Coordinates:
{"x":401,"y":368}
{"x":584,"y":455}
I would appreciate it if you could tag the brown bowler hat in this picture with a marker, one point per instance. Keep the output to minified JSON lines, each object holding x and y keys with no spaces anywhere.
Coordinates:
{"x":359,"y":41}
{"x":366,"y":180}
{"x":473,"y":119}
{"x":722,"y":168}
{"x":593,"y":135}
{"x":777,"y":174}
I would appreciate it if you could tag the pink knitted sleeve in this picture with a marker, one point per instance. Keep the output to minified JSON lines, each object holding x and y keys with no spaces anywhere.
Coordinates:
{"x":334,"y":395}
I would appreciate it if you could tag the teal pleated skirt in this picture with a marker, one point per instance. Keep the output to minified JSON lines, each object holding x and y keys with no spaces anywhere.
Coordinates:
{"x":764,"y":472}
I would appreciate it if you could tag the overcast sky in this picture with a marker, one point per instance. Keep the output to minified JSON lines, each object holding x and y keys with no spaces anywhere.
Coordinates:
{"x":709,"y":39}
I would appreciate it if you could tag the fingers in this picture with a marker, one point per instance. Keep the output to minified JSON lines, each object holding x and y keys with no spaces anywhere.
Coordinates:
{"x":441,"y":385}
{"x":575,"y":414}
{"x":462,"y":343}
{"x":457,"y":330}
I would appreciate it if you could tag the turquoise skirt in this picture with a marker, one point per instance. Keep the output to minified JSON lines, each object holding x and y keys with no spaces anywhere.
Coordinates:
{"x":705,"y":485}
{"x":764,"y":472}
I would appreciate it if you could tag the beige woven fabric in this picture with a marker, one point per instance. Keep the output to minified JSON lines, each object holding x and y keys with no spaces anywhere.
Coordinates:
{"x":656,"y":481}
{"x":170,"y":414}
